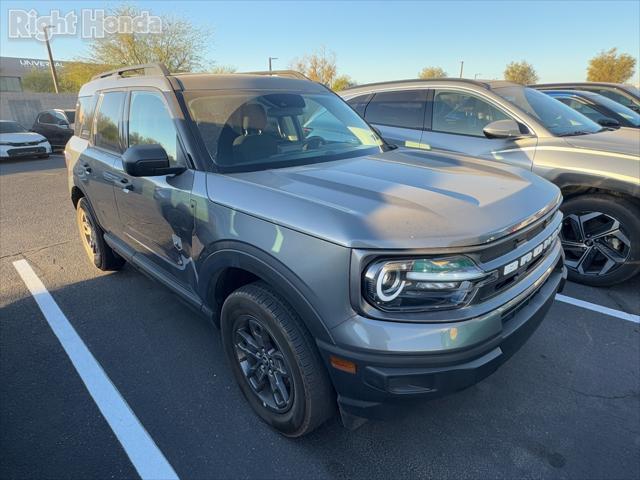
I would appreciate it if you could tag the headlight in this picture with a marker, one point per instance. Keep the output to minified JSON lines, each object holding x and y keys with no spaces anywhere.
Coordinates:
{"x":422,"y":284}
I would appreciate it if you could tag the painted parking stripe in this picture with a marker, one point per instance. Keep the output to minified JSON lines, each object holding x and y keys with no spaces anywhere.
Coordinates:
{"x":144,"y":454}
{"x":599,"y":308}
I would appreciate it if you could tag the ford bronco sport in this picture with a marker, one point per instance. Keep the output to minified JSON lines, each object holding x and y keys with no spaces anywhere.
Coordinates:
{"x":341,"y":272}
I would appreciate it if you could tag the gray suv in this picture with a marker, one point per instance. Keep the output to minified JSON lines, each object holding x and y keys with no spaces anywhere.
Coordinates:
{"x":341,"y":272}
{"x":597,"y":168}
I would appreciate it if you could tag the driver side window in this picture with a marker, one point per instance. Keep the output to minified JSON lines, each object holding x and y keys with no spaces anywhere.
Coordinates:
{"x":150,"y":121}
{"x":462,"y":114}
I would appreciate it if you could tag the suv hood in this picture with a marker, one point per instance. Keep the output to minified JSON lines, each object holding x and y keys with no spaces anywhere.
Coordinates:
{"x":399,"y":199}
{"x":625,"y":141}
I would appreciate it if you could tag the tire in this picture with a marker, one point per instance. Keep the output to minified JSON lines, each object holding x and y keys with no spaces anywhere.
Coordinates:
{"x":46,"y":155}
{"x":92,"y":238}
{"x":601,"y":239}
{"x":311,"y":400}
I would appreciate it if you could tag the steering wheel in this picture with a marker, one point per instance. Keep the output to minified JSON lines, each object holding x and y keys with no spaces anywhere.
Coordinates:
{"x":313,"y":143}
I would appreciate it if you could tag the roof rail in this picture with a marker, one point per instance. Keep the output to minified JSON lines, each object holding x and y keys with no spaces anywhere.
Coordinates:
{"x":281,"y":73}
{"x":147,"y":69}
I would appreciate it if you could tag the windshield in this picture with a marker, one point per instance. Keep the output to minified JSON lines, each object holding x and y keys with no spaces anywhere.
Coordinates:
{"x":11,"y":127}
{"x":554,"y":115}
{"x":253,"y":130}
{"x":624,"y":112}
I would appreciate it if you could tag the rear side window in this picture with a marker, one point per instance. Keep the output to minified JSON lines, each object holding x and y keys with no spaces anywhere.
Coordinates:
{"x":615,"y":96}
{"x":84,"y":114}
{"x":359,"y":103}
{"x":462,"y":114}
{"x":107,"y":134}
{"x":403,"y":109}
{"x":151,"y":122}
{"x":47,"y":118}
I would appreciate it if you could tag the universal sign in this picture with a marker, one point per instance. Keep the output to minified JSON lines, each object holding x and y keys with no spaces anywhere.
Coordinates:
{"x":91,"y":23}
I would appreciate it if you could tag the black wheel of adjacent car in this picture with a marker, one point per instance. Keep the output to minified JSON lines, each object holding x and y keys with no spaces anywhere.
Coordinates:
{"x":274,"y":360}
{"x":91,"y":235}
{"x":46,"y":155}
{"x":601,"y":239}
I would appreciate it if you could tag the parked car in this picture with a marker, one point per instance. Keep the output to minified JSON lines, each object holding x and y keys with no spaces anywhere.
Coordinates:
{"x":340,"y":271}
{"x":627,"y":95}
{"x":598,"y":108}
{"x":596,"y":167}
{"x":16,"y":141}
{"x":56,"y":125}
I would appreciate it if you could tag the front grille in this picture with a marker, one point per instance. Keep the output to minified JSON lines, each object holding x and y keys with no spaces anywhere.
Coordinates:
{"x":525,"y":244}
{"x":16,"y":152}
{"x":514,"y":241}
{"x":24,"y":144}
{"x":501,"y":284}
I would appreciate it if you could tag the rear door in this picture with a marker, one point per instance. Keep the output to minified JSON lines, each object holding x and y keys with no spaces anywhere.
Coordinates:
{"x":458,"y":118}
{"x":398,"y":115}
{"x":95,"y":165}
{"x":155,"y":212}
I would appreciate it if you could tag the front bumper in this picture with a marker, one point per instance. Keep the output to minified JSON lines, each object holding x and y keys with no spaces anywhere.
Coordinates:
{"x":12,"y":151}
{"x":383,"y":378}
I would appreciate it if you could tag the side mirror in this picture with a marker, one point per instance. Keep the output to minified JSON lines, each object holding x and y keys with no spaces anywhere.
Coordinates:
{"x":148,"y":161}
{"x":502,"y":129}
{"x":609,"y":122}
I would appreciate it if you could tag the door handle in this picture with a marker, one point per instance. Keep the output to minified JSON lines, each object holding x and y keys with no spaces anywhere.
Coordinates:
{"x":124,"y":183}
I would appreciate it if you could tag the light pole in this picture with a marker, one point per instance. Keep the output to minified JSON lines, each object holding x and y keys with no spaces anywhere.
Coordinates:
{"x":54,"y":75}
{"x":461,"y":67}
{"x":270,"y":59}
{"x":475,"y":77}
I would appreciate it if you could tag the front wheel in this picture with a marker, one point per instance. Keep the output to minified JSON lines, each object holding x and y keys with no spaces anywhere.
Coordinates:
{"x":274,"y":361}
{"x":601,"y":239}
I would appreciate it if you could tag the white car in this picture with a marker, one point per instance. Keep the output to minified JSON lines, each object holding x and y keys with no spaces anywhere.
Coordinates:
{"x":17,"y":141}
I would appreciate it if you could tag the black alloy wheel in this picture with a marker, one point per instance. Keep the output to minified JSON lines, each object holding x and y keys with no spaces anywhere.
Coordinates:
{"x":263,"y":364}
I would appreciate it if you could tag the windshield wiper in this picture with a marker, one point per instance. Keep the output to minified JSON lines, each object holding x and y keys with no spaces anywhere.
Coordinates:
{"x":578,"y":132}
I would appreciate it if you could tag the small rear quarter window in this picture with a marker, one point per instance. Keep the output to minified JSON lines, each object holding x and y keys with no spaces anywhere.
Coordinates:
{"x":84,"y":116}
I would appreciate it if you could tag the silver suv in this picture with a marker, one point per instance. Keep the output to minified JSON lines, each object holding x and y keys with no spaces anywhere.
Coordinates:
{"x":597,"y":169}
{"x":341,"y":272}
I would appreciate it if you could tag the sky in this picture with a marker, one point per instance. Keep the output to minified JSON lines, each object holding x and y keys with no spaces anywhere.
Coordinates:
{"x":378,"y":41}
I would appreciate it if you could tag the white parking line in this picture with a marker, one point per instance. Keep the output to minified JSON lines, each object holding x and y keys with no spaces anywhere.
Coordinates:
{"x":599,"y":308}
{"x":144,"y":454}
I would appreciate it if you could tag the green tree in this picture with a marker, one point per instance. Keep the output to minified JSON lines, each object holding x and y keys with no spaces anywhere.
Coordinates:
{"x":180,"y":46}
{"x":341,"y":82}
{"x":320,"y":66}
{"x":220,"y":69}
{"x":432,"y":72}
{"x":38,"y":81}
{"x":75,"y":74}
{"x":520,"y":72}
{"x":610,"y":66}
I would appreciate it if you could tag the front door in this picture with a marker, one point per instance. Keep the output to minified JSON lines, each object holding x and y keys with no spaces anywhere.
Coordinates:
{"x":398,"y":115}
{"x":155,"y":212}
{"x":457,"y":124}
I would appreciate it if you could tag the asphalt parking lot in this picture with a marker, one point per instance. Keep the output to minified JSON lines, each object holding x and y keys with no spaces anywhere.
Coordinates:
{"x":566,"y":406}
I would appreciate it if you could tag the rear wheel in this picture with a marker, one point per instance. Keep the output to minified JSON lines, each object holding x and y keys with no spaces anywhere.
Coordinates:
{"x":92,"y":238}
{"x":274,"y":360}
{"x":601,"y":239}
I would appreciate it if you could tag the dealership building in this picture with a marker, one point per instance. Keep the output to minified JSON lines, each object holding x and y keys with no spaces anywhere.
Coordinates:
{"x":14,"y":69}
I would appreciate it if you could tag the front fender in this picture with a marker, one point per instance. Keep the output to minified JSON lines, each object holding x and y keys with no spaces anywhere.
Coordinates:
{"x":233,"y":254}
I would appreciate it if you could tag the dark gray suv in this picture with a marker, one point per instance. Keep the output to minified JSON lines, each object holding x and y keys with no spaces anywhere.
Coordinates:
{"x":342,"y":273}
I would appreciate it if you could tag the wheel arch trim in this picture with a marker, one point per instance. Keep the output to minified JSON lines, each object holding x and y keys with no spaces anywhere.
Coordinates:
{"x":221,"y":256}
